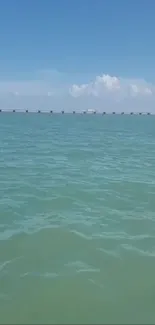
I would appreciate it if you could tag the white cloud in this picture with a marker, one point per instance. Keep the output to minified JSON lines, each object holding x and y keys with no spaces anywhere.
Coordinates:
{"x":96,"y":88}
{"x":54,"y":91}
{"x":111,"y":85}
{"x":139,"y":90}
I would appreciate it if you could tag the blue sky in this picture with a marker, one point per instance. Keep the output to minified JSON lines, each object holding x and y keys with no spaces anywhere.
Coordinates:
{"x":77,"y":53}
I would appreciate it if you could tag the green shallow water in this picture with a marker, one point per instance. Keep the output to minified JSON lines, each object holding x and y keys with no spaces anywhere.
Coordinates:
{"x":77,"y":219}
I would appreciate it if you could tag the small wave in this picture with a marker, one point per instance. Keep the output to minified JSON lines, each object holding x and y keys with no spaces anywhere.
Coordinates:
{"x":81,"y":267}
{"x":3,"y":265}
{"x":9,"y":233}
{"x":38,"y":274}
{"x":101,"y":286}
{"x":120,"y":235}
{"x":28,"y":229}
{"x":109,"y":252}
{"x":138,"y":251}
{"x":80,"y":234}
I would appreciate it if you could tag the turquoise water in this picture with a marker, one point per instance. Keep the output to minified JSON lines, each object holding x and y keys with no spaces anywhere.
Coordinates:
{"x":77,"y":219}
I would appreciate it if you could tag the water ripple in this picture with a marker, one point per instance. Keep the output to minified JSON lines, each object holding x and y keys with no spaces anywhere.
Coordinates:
{"x":77,"y":204}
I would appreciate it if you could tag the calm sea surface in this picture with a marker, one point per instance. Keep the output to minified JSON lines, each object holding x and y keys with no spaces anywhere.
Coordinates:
{"x":77,"y":219}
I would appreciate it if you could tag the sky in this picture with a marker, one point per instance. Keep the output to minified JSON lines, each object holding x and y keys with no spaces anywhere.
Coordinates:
{"x":77,"y":55}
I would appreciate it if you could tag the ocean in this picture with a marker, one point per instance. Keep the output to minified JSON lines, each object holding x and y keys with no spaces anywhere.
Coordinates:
{"x":77,"y":219}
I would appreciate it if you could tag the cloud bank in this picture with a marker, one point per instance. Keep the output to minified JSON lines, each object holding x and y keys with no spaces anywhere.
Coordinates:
{"x":53,"y":91}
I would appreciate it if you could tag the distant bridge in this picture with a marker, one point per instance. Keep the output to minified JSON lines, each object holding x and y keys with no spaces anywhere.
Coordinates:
{"x":73,"y":112}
